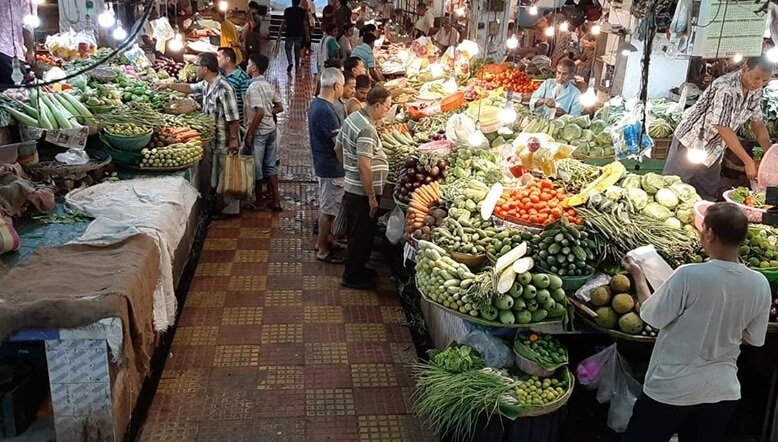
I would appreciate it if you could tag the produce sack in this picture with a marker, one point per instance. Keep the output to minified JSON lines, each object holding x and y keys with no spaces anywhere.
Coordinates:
{"x":493,"y":350}
{"x":9,"y":239}
{"x":237,"y":175}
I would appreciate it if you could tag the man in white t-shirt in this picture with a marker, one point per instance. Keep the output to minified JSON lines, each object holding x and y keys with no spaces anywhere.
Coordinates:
{"x":427,"y":19}
{"x":704,"y":313}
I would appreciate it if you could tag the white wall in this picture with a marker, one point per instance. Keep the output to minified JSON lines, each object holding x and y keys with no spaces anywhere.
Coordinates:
{"x":664,"y":73}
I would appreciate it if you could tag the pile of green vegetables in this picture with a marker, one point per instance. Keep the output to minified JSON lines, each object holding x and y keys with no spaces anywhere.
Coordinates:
{"x":590,"y":138}
{"x":564,"y":250}
{"x":542,"y":349}
{"x":769,"y":111}
{"x":466,"y":163}
{"x":760,"y":249}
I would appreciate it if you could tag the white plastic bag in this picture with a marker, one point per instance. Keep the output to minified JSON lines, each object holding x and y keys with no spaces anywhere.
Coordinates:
{"x":493,"y":350}
{"x":611,"y":375}
{"x":395,"y":226}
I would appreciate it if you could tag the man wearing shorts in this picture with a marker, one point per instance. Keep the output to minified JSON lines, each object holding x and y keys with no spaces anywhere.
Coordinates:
{"x":262,"y":102}
{"x":323,"y":126}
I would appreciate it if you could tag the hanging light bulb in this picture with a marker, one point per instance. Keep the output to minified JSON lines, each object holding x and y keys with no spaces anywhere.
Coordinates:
{"x":564,"y":26}
{"x":175,"y":44}
{"x":37,"y":2}
{"x":549,"y":31}
{"x":512,"y":43}
{"x":595,"y":30}
{"x":476,"y":138}
{"x":772,"y":54}
{"x":508,"y":113}
{"x":450,"y":86}
{"x":697,"y":154}
{"x":461,"y":11}
{"x":106,"y":19}
{"x":589,"y":98}
{"x":223,"y":5}
{"x":627,"y":48}
{"x":31,"y":21}
{"x":533,"y":10}
{"x":119,"y":33}
{"x":737,"y":58}
{"x":436,"y":70}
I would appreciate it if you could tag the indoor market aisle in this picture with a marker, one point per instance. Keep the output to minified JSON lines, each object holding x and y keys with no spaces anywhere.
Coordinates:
{"x":269,"y":347}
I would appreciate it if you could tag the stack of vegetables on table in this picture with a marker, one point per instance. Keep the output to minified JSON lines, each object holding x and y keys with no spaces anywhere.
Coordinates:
{"x":616,"y":307}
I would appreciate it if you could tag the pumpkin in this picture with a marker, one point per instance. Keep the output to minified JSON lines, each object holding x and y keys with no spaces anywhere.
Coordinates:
{"x":452,"y":102}
{"x":493,"y":69}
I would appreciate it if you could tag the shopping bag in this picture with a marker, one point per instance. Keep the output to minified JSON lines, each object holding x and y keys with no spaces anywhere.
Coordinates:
{"x":275,"y":47}
{"x":236,"y":176}
{"x":340,"y":225}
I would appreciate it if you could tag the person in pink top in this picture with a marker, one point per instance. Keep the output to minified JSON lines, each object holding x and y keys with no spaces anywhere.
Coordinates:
{"x":16,"y":40}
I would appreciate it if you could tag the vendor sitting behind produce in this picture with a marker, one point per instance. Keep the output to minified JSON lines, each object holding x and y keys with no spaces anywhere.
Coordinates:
{"x":730,"y":101}
{"x":558,"y":96}
{"x":446,"y":35}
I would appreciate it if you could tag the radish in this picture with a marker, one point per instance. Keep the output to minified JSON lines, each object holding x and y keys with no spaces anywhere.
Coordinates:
{"x":509,"y":258}
{"x":523,"y":265}
{"x":491,"y":201}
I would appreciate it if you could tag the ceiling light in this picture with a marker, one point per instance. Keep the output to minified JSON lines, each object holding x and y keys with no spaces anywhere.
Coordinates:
{"x":106,"y":18}
{"x":31,"y":21}
{"x":564,"y":26}
{"x":512,"y":42}
{"x":596,"y":30}
{"x":737,"y":58}
{"x":533,"y":10}
{"x":223,"y":5}
{"x":175,"y":44}
{"x":589,"y":98}
{"x":119,"y":33}
{"x":627,"y":48}
{"x":508,"y":113}
{"x":549,"y":31}
{"x":772,"y":54}
{"x":697,"y":154}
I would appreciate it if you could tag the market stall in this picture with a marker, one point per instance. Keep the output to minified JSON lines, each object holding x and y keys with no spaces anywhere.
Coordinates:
{"x":121,"y":159}
{"x":517,"y":225}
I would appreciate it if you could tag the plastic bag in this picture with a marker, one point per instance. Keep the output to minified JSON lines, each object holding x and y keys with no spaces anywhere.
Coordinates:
{"x":395,"y":226}
{"x":611,"y":375}
{"x":494,"y":351}
{"x":237,"y":175}
{"x":626,"y":133}
{"x":73,"y":157}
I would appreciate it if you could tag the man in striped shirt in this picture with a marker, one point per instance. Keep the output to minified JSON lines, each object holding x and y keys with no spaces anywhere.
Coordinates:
{"x":366,"y":168}
{"x":237,"y":77}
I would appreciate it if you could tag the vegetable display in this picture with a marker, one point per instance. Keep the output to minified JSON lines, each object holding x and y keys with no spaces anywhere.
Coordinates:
{"x":49,"y":111}
{"x":424,"y":213}
{"x":541,"y":348}
{"x":760,"y":249}
{"x":617,"y":307}
{"x":177,"y":155}
{"x":397,"y":145}
{"x":539,"y":203}
{"x":418,"y":170}
{"x":748,"y":197}
{"x":564,"y":250}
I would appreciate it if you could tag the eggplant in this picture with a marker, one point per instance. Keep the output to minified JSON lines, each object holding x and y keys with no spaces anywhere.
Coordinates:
{"x":416,"y":185}
{"x":420,"y":170}
{"x":427,"y":179}
{"x":442,"y":164}
{"x":408,"y":186}
{"x":410,"y":162}
{"x":435,"y":171}
{"x":420,"y":177}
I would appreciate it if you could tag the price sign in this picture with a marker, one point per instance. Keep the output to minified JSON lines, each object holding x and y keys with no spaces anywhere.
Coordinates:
{"x":728,"y":27}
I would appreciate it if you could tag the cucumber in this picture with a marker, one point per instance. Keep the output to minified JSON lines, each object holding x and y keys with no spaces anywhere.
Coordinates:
{"x":553,"y":249}
{"x":21,"y":117}
{"x":579,"y":253}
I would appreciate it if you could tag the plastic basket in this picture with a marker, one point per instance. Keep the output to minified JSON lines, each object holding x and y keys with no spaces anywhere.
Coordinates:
{"x":131,"y":143}
{"x":768,"y":169}
{"x":573,"y":283}
{"x":754,"y":214}
{"x":699,"y":213}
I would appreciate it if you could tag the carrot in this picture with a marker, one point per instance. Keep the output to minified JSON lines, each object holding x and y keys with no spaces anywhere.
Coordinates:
{"x":418,"y":207}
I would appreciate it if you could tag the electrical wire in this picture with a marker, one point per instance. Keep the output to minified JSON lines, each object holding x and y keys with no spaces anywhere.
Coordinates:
{"x":131,"y":38}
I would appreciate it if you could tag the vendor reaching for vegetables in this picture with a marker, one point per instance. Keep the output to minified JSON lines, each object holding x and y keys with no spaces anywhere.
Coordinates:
{"x":558,"y":96}
{"x":729,"y":102}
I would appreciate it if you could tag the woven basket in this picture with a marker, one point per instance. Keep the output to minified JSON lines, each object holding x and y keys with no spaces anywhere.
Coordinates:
{"x":531,"y":367}
{"x":470,"y":260}
{"x":103,"y":75}
{"x":180,"y":106}
{"x":551,"y":407}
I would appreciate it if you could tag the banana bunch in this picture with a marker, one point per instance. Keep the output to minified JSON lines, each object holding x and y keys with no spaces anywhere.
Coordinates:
{"x":397,"y":146}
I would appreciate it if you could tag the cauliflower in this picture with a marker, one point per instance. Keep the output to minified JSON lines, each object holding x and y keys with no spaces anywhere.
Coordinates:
{"x":673,"y":222}
{"x":684,"y":192}
{"x":631,"y":182}
{"x":651,"y":183}
{"x":638,"y":197}
{"x":669,"y":180}
{"x":657,"y":211}
{"x":685,"y":215}
{"x":667,"y":198}
{"x":614,"y":193}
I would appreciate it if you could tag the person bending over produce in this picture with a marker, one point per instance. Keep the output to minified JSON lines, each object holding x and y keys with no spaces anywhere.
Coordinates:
{"x":366,"y":168}
{"x":704,"y":313}
{"x":220,"y":103}
{"x":559,"y":95}
{"x":730,"y":101}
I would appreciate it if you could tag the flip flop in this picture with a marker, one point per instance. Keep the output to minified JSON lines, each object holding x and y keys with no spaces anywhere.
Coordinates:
{"x":331,"y":259}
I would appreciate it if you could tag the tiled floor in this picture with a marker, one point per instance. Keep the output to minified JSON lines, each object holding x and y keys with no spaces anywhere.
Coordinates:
{"x":269,"y":347}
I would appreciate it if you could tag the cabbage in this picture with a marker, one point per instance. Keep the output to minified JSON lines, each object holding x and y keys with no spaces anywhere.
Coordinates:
{"x":673,"y":222}
{"x":631,"y":182}
{"x":669,"y":180}
{"x":667,"y":198}
{"x":614,"y":193}
{"x":603,"y":139}
{"x":572,"y":132}
{"x":638,"y":197}
{"x":583,"y":121}
{"x":686,"y":216}
{"x":588,"y":135}
{"x":684,"y":192}
{"x":657,"y":211}
{"x":651,"y":183}
{"x":598,"y":126}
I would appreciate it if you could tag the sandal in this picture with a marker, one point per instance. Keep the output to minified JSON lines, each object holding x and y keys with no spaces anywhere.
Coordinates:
{"x":331,"y":259}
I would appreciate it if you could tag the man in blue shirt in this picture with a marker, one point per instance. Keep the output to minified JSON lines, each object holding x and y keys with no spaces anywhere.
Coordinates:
{"x":558,"y":96}
{"x":235,"y":76}
{"x":323,"y":127}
